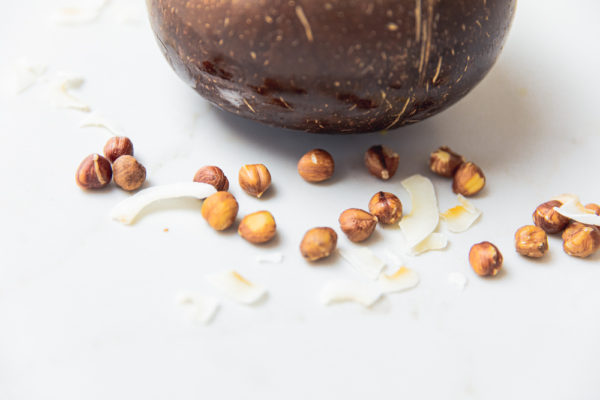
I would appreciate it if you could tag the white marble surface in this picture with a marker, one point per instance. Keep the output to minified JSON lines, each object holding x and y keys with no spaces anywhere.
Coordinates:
{"x":87,"y":306}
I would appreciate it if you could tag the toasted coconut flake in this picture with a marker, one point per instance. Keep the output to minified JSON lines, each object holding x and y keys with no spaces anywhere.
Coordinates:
{"x":574,"y":210}
{"x":270,"y":258}
{"x":363,"y":260}
{"x":95,"y":120}
{"x":460,"y":218}
{"x":27,"y":74}
{"x":61,"y":91}
{"x":424,"y":216}
{"x":126,"y":211}
{"x":236,"y":287}
{"x":198,"y":307}
{"x":435,"y":241}
{"x":403,"y":279}
{"x":457,"y":279}
{"x":339,"y":291}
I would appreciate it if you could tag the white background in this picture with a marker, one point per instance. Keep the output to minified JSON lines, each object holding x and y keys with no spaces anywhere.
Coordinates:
{"x":87,"y":305}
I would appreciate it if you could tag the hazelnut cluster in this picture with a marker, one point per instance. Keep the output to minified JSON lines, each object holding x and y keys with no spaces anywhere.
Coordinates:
{"x":468,"y":178}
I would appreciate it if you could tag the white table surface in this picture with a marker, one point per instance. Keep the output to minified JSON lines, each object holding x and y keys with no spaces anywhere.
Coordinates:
{"x":87,"y":305}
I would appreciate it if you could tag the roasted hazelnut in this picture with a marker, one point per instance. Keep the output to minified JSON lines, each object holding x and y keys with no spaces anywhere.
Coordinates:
{"x":594,"y":207}
{"x":116,"y":147}
{"x":220,"y":210}
{"x":548,"y":219}
{"x":381,"y":162}
{"x":318,"y":243}
{"x":213,"y":176}
{"x":386,"y":207}
{"x":258,"y":227}
{"x":468,"y":179}
{"x":94,"y":172}
{"x":357,"y":224}
{"x":254,"y":179}
{"x":316,"y":166}
{"x":129,"y":173}
{"x":580,"y":240}
{"x":531,"y":241}
{"x":445,"y":162}
{"x":485,"y":259}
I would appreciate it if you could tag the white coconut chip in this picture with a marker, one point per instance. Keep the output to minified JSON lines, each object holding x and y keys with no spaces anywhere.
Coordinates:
{"x":460,"y":218}
{"x":392,"y":261}
{"x":403,"y":279}
{"x":363,"y":260}
{"x":574,"y":210}
{"x":270,"y":258}
{"x":198,"y":307}
{"x":566,"y":197}
{"x":457,"y":279}
{"x":62,"y":97}
{"x":80,"y":14}
{"x":126,"y":211}
{"x":236,"y":287}
{"x":435,"y":241}
{"x":95,"y":120}
{"x":424,"y":216}
{"x":27,"y":74}
{"x":339,"y":291}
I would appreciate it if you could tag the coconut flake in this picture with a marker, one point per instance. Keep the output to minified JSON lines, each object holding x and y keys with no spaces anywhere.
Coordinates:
{"x":338,"y":291}
{"x":403,"y":279}
{"x":236,"y":286}
{"x":79,"y":15}
{"x":27,"y":74}
{"x":435,"y":241}
{"x":460,"y":218}
{"x":424,"y":216}
{"x":95,"y":120}
{"x":574,"y":210}
{"x":62,"y":86}
{"x":363,"y":260}
{"x":198,"y":307}
{"x":126,"y":211}
{"x":270,"y":258}
{"x":392,"y":261}
{"x":457,"y":279}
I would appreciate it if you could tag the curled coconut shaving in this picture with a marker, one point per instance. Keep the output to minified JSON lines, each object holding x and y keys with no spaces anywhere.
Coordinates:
{"x":198,"y":307}
{"x":363,"y":260}
{"x":345,"y":290}
{"x":435,"y":241}
{"x":236,"y":287}
{"x":424,"y":216}
{"x":574,"y":210}
{"x":403,"y":279}
{"x":62,"y":86}
{"x":460,"y":218}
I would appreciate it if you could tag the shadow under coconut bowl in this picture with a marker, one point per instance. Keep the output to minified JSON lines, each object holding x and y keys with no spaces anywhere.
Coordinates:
{"x":337,"y":66}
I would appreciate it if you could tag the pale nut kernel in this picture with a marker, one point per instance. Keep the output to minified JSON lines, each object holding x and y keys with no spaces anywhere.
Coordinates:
{"x":316,"y":166}
{"x":445,"y":162}
{"x":220,"y":210}
{"x":549,"y":219}
{"x":468,"y":180}
{"x":382,"y":162}
{"x":94,"y":172}
{"x":386,"y":207}
{"x":258,"y":227}
{"x":129,"y":174}
{"x":318,"y":243}
{"x":531,"y":241}
{"x":254,"y":179}
{"x":485,"y":259}
{"x":358,"y":225}
{"x":116,"y":147}
{"x":213,"y":176}
{"x":581,"y":240}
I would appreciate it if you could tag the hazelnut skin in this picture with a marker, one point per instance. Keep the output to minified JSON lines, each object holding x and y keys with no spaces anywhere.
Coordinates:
{"x":580,"y":240}
{"x":254,"y":179}
{"x":468,"y":180}
{"x":485,"y":259}
{"x":445,"y":162}
{"x":213,"y":176}
{"x":382,"y":162}
{"x":316,"y":166}
{"x":318,"y":243}
{"x":116,"y":147}
{"x":531,"y":241}
{"x":386,"y":207}
{"x":220,"y":210}
{"x":548,"y":219}
{"x":358,"y":225}
{"x":94,"y":172}
{"x":258,"y":227}
{"x":129,"y":174}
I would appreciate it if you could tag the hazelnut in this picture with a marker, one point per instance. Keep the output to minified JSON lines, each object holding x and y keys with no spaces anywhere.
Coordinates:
{"x":594,"y":207}
{"x":118,"y":146}
{"x":445,"y":162}
{"x":531,"y":241}
{"x":548,"y":219}
{"x":129,"y":173}
{"x":580,"y":240}
{"x":357,"y":224}
{"x":316,"y":166}
{"x":318,"y":243}
{"x":468,"y":179}
{"x":94,"y":172}
{"x":254,"y":179}
{"x":381,"y":162}
{"x":258,"y":227}
{"x":220,"y":210}
{"x":485,"y":259}
{"x":213,"y":176}
{"x":386,"y":207}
